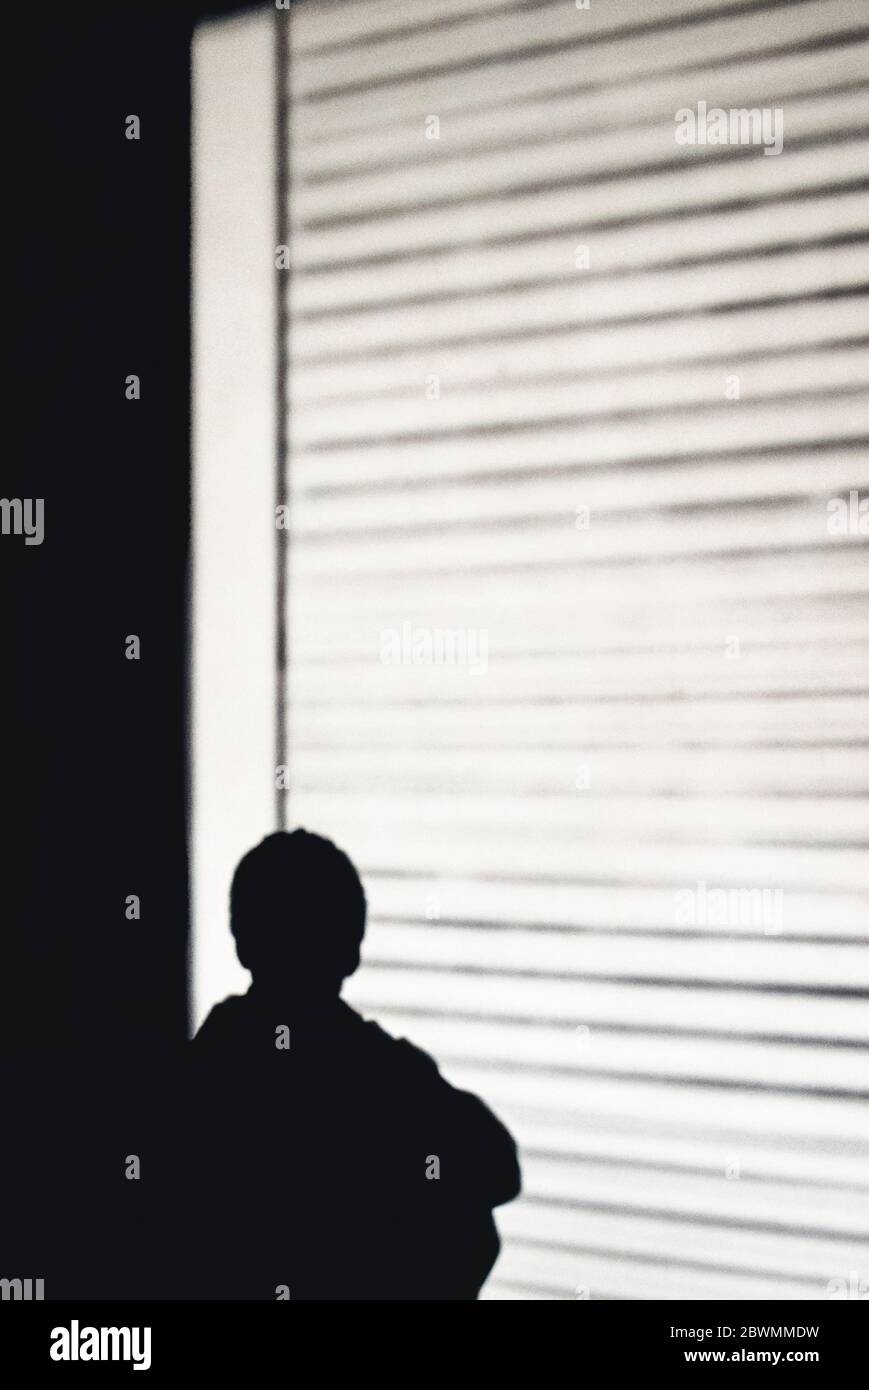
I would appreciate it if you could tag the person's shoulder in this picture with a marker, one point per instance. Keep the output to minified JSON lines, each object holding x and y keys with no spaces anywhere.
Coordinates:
{"x":415,"y":1059}
{"x":222,"y":1022}
{"x":491,"y":1159}
{"x":402,"y":1054}
{"x":407,"y":1064}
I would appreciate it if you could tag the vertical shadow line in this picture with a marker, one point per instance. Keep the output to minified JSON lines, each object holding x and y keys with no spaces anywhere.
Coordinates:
{"x":282,"y":368}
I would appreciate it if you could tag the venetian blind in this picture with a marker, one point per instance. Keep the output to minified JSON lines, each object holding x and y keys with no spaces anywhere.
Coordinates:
{"x":578,"y":664}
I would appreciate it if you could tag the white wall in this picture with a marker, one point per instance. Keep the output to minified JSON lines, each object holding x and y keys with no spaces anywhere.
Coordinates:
{"x":233,"y":479}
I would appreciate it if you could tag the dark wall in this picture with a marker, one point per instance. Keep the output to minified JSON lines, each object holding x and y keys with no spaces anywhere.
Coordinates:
{"x":103,"y":285}
{"x":95,"y":784}
{"x":94,"y":762}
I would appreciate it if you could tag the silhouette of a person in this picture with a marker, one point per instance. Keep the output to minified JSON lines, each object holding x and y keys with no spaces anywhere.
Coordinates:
{"x":331,"y":1161}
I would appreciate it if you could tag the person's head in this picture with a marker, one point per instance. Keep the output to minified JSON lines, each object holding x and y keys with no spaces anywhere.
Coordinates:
{"x":297,"y":912}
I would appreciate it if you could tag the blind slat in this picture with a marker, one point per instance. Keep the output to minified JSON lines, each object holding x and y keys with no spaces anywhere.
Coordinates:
{"x":616,"y":862}
{"x":757,"y":79}
{"x":745,"y":334}
{"x":644,"y":1010}
{"x":640,"y":197}
{"x":619,"y":59}
{"x":566,"y":160}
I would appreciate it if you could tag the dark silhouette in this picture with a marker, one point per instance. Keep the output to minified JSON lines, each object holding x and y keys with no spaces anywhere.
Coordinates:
{"x":330,"y":1160}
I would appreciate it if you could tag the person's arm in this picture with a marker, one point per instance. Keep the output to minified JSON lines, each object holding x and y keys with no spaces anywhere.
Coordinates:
{"x":479,"y":1148}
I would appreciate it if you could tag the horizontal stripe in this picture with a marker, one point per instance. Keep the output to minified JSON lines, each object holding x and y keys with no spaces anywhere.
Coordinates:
{"x":680,"y":866}
{"x":560,"y":1048}
{"x":425,"y":183}
{"x":581,"y":305}
{"x":639,"y":198}
{"x":588,"y":956}
{"x":378,"y":35}
{"x":611,"y":1009}
{"x":334,"y":24}
{"x":588,"y":816}
{"x":750,"y":1113}
{"x":692,"y":239}
{"x":757,"y":80}
{"x":704,"y":486}
{"x":452,"y":417}
{"x":529,"y":72}
{"x":741,"y":336}
{"x":566,"y":850}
